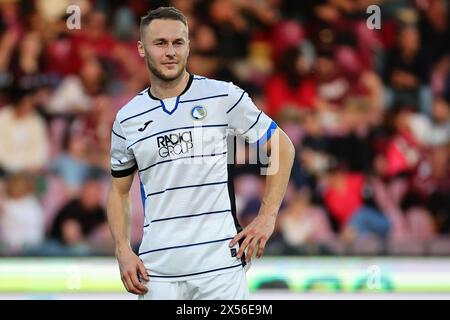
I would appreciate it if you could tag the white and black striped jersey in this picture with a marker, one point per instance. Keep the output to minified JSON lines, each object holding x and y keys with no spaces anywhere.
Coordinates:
{"x":179,"y":148}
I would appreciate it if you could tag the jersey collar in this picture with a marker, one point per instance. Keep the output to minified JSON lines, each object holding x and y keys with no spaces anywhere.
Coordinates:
{"x":188,"y":85}
{"x":170,"y":112}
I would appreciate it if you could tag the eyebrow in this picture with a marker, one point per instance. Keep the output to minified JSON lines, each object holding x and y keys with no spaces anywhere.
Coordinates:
{"x":165,"y":40}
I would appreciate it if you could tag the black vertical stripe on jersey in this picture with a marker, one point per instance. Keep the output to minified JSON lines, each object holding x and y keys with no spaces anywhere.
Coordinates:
{"x":230,"y":169}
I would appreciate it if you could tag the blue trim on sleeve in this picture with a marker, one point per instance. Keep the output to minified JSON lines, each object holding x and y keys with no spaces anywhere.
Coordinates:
{"x":266,"y":137}
{"x":142,"y":195}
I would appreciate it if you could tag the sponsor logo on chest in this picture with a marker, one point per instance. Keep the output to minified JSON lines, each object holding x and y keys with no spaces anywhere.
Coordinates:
{"x":174,"y":143}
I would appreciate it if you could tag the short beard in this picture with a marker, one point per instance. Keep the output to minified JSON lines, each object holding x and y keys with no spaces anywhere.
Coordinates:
{"x":157,"y":73}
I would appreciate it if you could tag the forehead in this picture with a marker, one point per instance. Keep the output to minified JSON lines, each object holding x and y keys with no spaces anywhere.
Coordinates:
{"x":165,"y":29}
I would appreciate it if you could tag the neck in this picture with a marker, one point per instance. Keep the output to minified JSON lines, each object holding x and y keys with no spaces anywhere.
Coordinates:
{"x":167,"y":89}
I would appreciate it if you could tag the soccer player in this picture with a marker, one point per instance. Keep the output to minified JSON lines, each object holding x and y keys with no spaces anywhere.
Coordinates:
{"x":174,"y":135}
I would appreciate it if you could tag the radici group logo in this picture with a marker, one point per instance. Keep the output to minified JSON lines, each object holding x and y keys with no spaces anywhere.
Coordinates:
{"x":175,"y":143}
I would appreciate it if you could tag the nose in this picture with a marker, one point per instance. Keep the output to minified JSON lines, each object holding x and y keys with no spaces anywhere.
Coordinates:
{"x":170,"y":50}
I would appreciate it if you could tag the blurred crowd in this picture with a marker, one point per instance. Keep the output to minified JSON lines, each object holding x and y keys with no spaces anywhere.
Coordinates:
{"x":368,"y":110}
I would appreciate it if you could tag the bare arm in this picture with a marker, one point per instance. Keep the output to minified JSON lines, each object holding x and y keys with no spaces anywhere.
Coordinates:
{"x":119,"y":217}
{"x":261,"y":228}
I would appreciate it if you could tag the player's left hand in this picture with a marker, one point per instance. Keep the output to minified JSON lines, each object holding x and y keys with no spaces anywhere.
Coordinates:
{"x":255,"y":236}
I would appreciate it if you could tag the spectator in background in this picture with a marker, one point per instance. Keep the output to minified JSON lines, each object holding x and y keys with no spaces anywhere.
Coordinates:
{"x":291,"y":85}
{"x":433,"y":26}
{"x":349,"y":199}
{"x":332,"y":85}
{"x":94,"y":40}
{"x":431,"y":187}
{"x":432,"y":130}
{"x":95,"y":125}
{"x":27,"y":65}
{"x":439,"y":132}
{"x":365,"y":83}
{"x":406,"y":69}
{"x":435,"y":32}
{"x":340,"y":77}
{"x":230,"y":27}
{"x":401,"y":154}
{"x":24,"y":140}
{"x":284,"y":36}
{"x":342,"y":194}
{"x":74,"y":94}
{"x":82,"y":222}
{"x":60,"y":50}
{"x":350,"y":141}
{"x":72,"y":165}
{"x":21,"y":216}
{"x":8,"y":40}
{"x":439,"y":126}
{"x":397,"y":165}
{"x":313,"y":155}
{"x":303,"y":223}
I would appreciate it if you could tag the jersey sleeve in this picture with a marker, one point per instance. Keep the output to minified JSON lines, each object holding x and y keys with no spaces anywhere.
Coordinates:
{"x":245,"y":119}
{"x":123,"y":162}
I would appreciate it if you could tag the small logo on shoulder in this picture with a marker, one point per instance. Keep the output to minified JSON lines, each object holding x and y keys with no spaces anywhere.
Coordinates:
{"x":233,"y":252}
{"x":198,"y":112}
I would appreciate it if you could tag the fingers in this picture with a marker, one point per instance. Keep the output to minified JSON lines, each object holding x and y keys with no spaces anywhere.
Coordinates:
{"x":129,"y":284}
{"x":251,"y":249}
{"x":254,"y":239}
{"x":244,"y":245}
{"x":237,"y":238}
{"x":125,"y":284}
{"x":252,"y":242}
{"x":132,"y":283}
{"x":262,"y":245}
{"x":142,"y":271}
{"x":138,"y":286}
{"x":133,"y":272}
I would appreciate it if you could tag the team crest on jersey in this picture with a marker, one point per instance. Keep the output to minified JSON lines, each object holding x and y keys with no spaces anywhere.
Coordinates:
{"x":198,"y":112}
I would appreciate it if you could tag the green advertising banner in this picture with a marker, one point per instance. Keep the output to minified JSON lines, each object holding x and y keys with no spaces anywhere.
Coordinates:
{"x":299,"y":274}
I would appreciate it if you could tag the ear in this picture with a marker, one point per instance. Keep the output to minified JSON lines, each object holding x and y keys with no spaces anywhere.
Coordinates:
{"x":141,"y":49}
